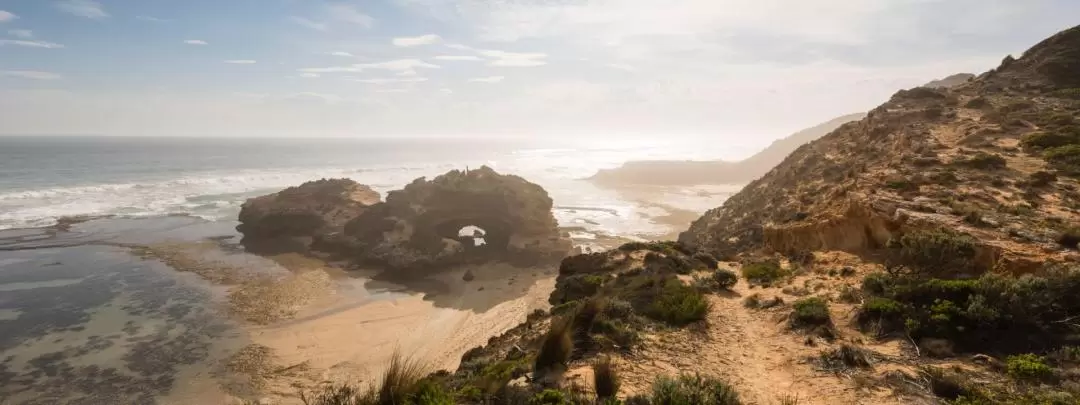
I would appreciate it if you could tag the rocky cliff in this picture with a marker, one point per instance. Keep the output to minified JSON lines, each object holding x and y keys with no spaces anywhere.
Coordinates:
{"x":996,"y":157}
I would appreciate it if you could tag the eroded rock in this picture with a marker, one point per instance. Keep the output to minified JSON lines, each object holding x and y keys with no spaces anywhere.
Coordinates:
{"x":458,"y":217}
{"x":289,"y":220}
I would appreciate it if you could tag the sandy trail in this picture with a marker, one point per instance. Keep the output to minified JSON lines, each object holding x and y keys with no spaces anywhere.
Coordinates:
{"x":754,"y":350}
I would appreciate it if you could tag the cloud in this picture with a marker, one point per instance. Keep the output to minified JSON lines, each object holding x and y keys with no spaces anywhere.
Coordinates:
{"x":6,"y":16}
{"x":489,"y":79}
{"x":25,"y":34}
{"x":240,"y":61}
{"x":388,"y":81}
{"x":458,"y":57}
{"x":315,"y":25}
{"x":309,"y":75}
{"x":500,"y":58}
{"x":399,"y":65}
{"x":621,"y":66}
{"x":31,"y":74}
{"x":446,"y":91}
{"x":82,"y":8}
{"x":150,"y":19}
{"x":30,"y":44}
{"x":392,"y":91}
{"x":349,"y":14}
{"x":195,"y":42}
{"x":340,"y":53}
{"x":417,"y":41}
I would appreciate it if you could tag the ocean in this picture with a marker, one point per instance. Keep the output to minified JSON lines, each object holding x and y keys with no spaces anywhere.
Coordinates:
{"x":46,"y":178}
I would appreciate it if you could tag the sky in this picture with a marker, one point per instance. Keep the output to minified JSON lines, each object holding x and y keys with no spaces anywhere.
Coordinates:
{"x":718,"y":70}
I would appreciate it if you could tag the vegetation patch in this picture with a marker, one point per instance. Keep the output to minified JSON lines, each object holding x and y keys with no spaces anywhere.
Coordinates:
{"x":1028,"y":367}
{"x":984,"y":161}
{"x":1065,"y":159}
{"x":991,"y":313}
{"x":934,"y":252}
{"x":810,"y":313}
{"x":719,"y":280}
{"x":693,"y":389}
{"x":764,"y":273}
{"x":845,"y":357}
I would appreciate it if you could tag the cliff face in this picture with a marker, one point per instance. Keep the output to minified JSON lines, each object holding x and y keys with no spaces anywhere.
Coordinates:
{"x":996,"y":157}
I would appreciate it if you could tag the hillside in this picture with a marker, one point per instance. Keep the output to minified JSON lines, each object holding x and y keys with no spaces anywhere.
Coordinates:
{"x":926,"y":254}
{"x":673,"y":172}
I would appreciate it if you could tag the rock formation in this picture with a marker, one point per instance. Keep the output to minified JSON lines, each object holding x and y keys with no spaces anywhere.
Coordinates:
{"x":418,"y":226}
{"x":992,"y":158}
{"x":289,"y":220}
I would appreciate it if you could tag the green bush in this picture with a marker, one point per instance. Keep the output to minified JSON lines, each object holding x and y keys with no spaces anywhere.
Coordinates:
{"x":984,"y":161}
{"x":992,"y":313}
{"x":719,"y":280}
{"x":678,"y":304}
{"x":693,"y":389}
{"x":977,"y":103}
{"x":1069,"y":238}
{"x":1042,"y":179}
{"x":1038,"y":141}
{"x":1065,"y":159}
{"x":810,"y":312}
{"x":605,"y":379}
{"x":919,"y":93}
{"x":1067,"y":93}
{"x":764,"y":273}
{"x":937,"y":252}
{"x":403,"y":383}
{"x":1028,"y":367}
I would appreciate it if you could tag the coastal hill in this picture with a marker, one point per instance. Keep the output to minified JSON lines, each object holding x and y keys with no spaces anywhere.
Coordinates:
{"x":676,"y":173}
{"x":925,"y":254}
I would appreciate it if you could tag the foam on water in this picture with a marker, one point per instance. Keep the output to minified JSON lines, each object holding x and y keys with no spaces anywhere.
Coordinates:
{"x":218,"y":194}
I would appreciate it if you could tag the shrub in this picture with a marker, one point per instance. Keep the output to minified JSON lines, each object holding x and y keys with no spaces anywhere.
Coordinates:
{"x":556,"y":347}
{"x":992,"y":313}
{"x":951,"y":385}
{"x":1038,"y":141}
{"x":1042,"y":179}
{"x":1064,"y":158}
{"x":984,"y":161}
{"x":919,"y":93}
{"x":845,"y":357}
{"x":1028,"y":367}
{"x":605,"y":379}
{"x":935,"y":251}
{"x":678,"y":304}
{"x":687,"y":389}
{"x":576,"y":287}
{"x":1070,"y":238}
{"x":752,"y":301}
{"x":764,"y":273}
{"x":849,"y":294}
{"x":977,"y":103}
{"x":708,"y":260}
{"x":1067,"y":93}
{"x":810,"y":312}
{"x":721,"y":279}
{"x":403,"y":382}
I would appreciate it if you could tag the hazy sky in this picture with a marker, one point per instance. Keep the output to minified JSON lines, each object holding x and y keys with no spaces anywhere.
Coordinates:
{"x":723,"y":69}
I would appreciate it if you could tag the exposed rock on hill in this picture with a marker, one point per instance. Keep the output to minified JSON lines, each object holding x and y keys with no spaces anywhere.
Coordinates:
{"x":290,"y":219}
{"x":670,"y":172}
{"x":996,"y":158}
{"x":416,"y":227}
{"x":951,"y":81}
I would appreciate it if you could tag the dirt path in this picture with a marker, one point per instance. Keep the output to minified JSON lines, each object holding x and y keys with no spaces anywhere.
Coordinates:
{"x":754,"y":350}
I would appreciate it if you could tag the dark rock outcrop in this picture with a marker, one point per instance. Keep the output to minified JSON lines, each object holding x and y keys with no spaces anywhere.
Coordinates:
{"x":291,"y":219}
{"x":418,"y":226}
